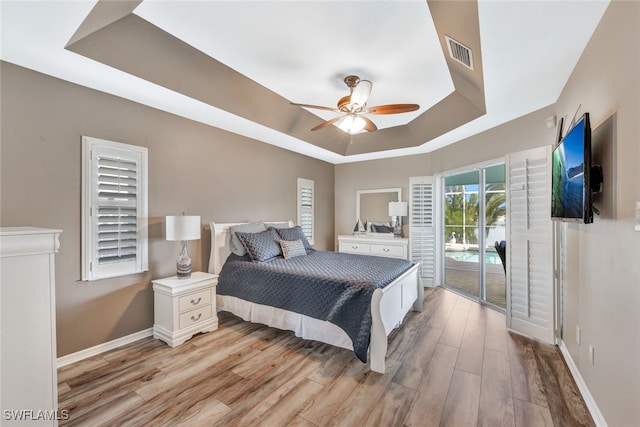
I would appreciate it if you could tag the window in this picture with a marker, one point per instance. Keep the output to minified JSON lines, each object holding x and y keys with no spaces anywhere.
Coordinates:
{"x":114,"y":209}
{"x":305,"y":207}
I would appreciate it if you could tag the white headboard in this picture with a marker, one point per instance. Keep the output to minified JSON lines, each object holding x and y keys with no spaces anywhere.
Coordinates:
{"x":220,"y":243}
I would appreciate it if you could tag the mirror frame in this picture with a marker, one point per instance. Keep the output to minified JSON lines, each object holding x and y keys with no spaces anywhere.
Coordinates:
{"x":396,"y":190}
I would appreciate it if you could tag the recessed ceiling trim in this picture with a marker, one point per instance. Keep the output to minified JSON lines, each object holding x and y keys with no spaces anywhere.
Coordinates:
{"x":34,"y":35}
{"x":138,"y":47}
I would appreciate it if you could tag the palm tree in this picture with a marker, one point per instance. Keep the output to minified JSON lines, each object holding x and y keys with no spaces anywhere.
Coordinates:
{"x":495,"y":209}
{"x":461,"y":209}
{"x":453,"y":211}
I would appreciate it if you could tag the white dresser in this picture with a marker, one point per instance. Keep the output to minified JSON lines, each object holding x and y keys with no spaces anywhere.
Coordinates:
{"x":28,"y":378}
{"x":372,"y":245}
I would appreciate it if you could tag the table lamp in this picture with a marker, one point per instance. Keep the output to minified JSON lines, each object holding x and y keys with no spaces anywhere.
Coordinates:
{"x":396,"y":211}
{"x":183,"y":228}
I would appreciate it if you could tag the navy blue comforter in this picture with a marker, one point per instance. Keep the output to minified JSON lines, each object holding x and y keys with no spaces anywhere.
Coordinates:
{"x":335,"y":287}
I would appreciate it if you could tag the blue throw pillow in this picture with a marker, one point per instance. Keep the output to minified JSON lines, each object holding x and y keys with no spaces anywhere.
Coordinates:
{"x":381,"y":228}
{"x":261,"y":246}
{"x":294,"y":233}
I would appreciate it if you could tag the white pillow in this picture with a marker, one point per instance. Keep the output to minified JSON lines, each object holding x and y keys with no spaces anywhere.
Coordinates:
{"x":284,"y":224}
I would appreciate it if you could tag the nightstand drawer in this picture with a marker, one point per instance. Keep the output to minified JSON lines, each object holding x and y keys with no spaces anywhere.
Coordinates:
{"x":195,"y":316}
{"x":387,"y":250}
{"x":354,"y":248}
{"x":197,"y":299}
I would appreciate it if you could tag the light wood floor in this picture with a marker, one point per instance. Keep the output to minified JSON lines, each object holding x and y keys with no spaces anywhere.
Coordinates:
{"x":454,"y":364}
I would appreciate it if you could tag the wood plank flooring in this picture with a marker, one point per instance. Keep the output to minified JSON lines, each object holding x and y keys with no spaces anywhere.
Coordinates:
{"x":454,"y":364}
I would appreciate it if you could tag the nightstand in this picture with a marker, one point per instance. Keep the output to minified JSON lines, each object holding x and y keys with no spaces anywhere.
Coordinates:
{"x":184,"y":307}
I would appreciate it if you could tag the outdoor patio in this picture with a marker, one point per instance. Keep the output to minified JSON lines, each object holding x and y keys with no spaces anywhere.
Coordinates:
{"x":464,"y":276}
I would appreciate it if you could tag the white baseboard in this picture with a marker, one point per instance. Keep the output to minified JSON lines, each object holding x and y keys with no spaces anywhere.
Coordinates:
{"x":597,"y":416}
{"x":101,"y":348}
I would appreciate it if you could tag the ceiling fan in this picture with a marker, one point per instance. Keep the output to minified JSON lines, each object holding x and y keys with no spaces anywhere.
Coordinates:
{"x":353,"y":107}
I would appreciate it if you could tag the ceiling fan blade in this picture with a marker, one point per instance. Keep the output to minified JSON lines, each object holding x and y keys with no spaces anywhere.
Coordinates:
{"x":369,"y":126}
{"x":361,"y":93}
{"x":327,"y":123}
{"x":317,"y":107}
{"x":392,"y":108}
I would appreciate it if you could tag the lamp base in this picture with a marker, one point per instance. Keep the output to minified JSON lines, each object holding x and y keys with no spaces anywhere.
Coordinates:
{"x":397,"y":227}
{"x":184,"y":263}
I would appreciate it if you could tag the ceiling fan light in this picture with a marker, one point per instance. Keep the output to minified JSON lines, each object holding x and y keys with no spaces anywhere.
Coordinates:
{"x":352,"y":124}
{"x":358,"y":124}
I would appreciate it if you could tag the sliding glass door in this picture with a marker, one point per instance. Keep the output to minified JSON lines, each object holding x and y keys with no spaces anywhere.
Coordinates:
{"x":495,"y":211}
{"x":461,"y":210}
{"x":474,"y":234}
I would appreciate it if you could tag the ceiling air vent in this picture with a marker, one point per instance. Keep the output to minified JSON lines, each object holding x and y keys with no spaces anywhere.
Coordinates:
{"x":460,"y":52}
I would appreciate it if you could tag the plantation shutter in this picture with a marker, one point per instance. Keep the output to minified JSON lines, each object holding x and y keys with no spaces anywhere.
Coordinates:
{"x":530,"y":308}
{"x":305,"y":208}
{"x":422,"y":242}
{"x":117,"y":210}
{"x":114,"y":209}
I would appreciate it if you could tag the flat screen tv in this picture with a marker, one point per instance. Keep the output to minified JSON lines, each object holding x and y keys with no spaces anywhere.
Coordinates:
{"x":571,"y":175}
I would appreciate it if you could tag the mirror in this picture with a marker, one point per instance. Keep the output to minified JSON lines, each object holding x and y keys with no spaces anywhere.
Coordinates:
{"x":373,"y":205}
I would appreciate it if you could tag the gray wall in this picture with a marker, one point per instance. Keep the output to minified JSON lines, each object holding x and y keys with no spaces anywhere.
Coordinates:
{"x":193,"y":168}
{"x":374,"y":174}
{"x":602,"y":276}
{"x":520,"y":134}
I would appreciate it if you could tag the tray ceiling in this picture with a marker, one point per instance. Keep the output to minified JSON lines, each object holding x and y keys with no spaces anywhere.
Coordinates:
{"x":236,"y":65}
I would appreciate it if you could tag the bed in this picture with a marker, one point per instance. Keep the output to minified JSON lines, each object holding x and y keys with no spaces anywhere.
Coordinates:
{"x":388,"y":303}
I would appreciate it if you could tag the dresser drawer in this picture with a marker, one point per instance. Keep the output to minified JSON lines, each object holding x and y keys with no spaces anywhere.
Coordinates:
{"x":387,"y":250}
{"x":196,"y":299}
{"x":354,"y":248}
{"x":195,"y":316}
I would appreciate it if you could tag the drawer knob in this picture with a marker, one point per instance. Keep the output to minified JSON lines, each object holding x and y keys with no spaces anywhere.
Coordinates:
{"x":194,"y":318}
{"x":386,"y":249}
{"x":194,"y":302}
{"x":354,"y":247}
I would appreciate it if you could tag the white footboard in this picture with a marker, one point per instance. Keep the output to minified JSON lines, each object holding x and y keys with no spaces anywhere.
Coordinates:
{"x":389,"y":306}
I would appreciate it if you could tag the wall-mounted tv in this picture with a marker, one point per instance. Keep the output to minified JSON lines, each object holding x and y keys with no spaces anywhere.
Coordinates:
{"x":571,"y":175}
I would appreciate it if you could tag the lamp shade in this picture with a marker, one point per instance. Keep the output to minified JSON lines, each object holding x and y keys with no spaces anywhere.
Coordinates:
{"x":183,"y":227}
{"x":397,"y":208}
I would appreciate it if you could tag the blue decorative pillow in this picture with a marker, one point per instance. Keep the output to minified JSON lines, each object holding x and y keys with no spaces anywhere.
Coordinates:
{"x":294,"y":233}
{"x":381,"y":228}
{"x":235,"y":245}
{"x":261,"y":246}
{"x":292,"y":248}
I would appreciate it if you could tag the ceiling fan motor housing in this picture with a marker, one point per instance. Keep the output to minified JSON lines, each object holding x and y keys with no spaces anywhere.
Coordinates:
{"x":351,"y":81}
